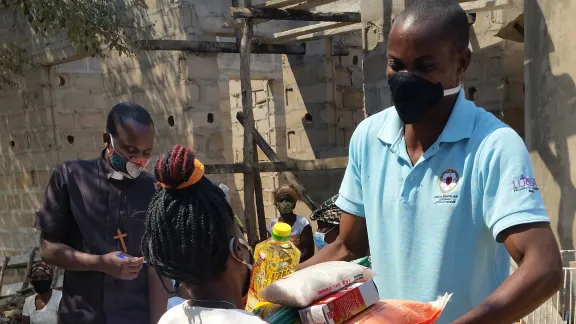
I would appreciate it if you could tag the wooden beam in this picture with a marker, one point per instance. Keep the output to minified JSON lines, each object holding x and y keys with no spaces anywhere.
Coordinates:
{"x":260,"y":211}
{"x":248,"y":149}
{"x":294,"y":14}
{"x":293,"y":33}
{"x":3,"y":270}
{"x":278,"y":3}
{"x":316,"y":34}
{"x":269,"y":152}
{"x":478,"y":6}
{"x":31,"y":261}
{"x":302,"y":5}
{"x":218,"y":47}
{"x":337,"y":163}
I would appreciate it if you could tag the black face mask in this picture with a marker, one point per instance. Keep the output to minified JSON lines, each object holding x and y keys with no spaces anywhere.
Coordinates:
{"x":414,"y":96}
{"x":41,"y":286}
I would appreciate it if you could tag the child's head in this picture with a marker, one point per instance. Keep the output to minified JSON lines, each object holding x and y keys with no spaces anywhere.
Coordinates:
{"x":191,"y":234}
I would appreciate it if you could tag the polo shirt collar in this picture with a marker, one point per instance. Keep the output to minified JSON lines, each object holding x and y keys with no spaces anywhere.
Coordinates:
{"x":458,"y":127}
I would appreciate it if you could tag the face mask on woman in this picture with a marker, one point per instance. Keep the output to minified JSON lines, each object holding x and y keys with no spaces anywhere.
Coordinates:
{"x":285,"y":207}
{"x":320,"y":239}
{"x":41,"y":286}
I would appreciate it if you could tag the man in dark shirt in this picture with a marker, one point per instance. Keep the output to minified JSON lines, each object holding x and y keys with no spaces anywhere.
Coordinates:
{"x":92,"y":223}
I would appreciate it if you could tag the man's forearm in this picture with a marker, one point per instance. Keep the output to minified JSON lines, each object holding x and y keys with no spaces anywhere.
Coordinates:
{"x":526,"y":289}
{"x":65,"y":257}
{"x":335,"y":251}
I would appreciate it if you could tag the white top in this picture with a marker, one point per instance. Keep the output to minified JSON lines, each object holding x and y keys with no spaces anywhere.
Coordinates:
{"x":298,"y":226}
{"x":185,"y":314}
{"x":46,"y":315}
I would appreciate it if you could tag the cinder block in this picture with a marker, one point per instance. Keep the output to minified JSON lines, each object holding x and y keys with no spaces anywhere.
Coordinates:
{"x":91,"y":120}
{"x":91,"y":82}
{"x":494,"y":67}
{"x":210,"y":93}
{"x":75,"y":101}
{"x":475,"y":70}
{"x":202,"y":67}
{"x":352,"y":98}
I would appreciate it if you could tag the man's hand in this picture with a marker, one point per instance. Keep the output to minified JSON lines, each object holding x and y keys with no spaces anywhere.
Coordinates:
{"x":126,"y":268}
{"x":539,"y":276}
{"x":351,"y":243}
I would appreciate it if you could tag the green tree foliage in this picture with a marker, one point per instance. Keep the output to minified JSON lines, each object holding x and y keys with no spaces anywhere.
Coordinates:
{"x":91,"y":26}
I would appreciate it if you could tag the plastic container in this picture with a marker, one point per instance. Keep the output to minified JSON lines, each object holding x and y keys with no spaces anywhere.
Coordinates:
{"x":274,"y":259}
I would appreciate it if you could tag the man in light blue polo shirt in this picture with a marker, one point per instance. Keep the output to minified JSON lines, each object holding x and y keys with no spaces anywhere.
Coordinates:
{"x":442,"y":190}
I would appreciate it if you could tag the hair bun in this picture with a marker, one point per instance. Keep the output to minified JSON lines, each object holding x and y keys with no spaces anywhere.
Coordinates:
{"x":175,"y":167}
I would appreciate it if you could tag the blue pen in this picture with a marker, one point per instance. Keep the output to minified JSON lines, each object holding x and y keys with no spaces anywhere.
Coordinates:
{"x":123,"y":256}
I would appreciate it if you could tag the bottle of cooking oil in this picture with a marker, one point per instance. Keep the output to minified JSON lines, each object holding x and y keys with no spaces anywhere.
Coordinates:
{"x":274,"y":259}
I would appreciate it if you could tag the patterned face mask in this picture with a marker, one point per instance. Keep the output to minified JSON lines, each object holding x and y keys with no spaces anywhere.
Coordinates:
{"x":130,"y":168}
{"x":285,"y":207}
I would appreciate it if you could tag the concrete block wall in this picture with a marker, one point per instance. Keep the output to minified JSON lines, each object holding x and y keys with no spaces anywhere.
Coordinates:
{"x":28,"y":154}
{"x":323,"y":106}
{"x":59,"y":113}
{"x":495,"y":79}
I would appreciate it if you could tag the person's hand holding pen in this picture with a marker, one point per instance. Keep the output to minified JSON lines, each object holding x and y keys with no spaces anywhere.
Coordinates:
{"x":121,"y":265}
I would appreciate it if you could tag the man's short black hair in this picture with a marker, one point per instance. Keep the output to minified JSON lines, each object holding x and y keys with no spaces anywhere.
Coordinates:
{"x":124,"y":111}
{"x":448,"y":13}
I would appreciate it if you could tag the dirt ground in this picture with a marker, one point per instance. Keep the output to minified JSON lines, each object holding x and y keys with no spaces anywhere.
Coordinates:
{"x":11,"y":309}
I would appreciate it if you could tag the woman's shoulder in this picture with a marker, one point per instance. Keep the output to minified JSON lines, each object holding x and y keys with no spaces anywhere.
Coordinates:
{"x":30,"y":299}
{"x":243,"y":317}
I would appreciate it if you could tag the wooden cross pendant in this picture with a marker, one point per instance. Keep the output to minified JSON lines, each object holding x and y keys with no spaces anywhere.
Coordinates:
{"x":121,"y":237}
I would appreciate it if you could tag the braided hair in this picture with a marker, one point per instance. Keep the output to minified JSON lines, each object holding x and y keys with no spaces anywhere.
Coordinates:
{"x":188,"y":227}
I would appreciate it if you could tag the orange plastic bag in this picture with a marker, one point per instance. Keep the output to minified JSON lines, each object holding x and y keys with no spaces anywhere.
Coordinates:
{"x":391,"y":311}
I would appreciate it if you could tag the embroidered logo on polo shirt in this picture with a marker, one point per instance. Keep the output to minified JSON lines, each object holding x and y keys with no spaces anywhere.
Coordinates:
{"x":524,"y":183}
{"x":448,"y":180}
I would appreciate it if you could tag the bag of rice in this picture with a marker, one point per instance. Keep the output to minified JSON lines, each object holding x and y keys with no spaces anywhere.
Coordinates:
{"x":308,"y":285}
{"x":391,"y":311}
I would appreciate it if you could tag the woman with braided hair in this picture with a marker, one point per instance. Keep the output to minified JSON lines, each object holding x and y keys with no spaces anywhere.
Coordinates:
{"x":191,"y":236}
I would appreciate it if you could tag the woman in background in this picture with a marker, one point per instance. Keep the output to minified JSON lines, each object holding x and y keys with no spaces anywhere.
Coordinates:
{"x":42,"y":307}
{"x":285,"y":199}
{"x":328,"y":219}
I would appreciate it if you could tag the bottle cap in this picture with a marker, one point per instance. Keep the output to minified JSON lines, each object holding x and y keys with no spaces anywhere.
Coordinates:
{"x":281,"y":231}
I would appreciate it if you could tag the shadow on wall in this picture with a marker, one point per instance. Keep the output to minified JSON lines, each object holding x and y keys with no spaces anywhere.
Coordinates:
{"x":551,"y":111}
{"x":324,"y":104}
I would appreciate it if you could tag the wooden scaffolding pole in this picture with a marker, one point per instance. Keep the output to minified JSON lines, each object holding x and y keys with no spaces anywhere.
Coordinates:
{"x":269,"y":152}
{"x":294,"y":14}
{"x":245,"y":47}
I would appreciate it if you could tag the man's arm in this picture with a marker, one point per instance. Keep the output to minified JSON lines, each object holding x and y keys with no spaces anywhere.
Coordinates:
{"x":351,"y":243}
{"x":514,"y":212}
{"x":157,"y":296}
{"x":52,"y":219}
{"x":537,"y":278}
{"x":53,"y":251}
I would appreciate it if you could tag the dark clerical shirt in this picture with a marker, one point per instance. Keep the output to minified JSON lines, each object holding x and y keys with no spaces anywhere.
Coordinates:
{"x":86,"y":206}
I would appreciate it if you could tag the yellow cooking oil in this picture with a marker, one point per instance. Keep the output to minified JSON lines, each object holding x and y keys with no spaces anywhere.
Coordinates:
{"x":274,"y":259}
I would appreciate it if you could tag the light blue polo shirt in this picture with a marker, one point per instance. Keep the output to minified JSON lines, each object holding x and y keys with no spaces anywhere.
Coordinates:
{"x":432,"y":227}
